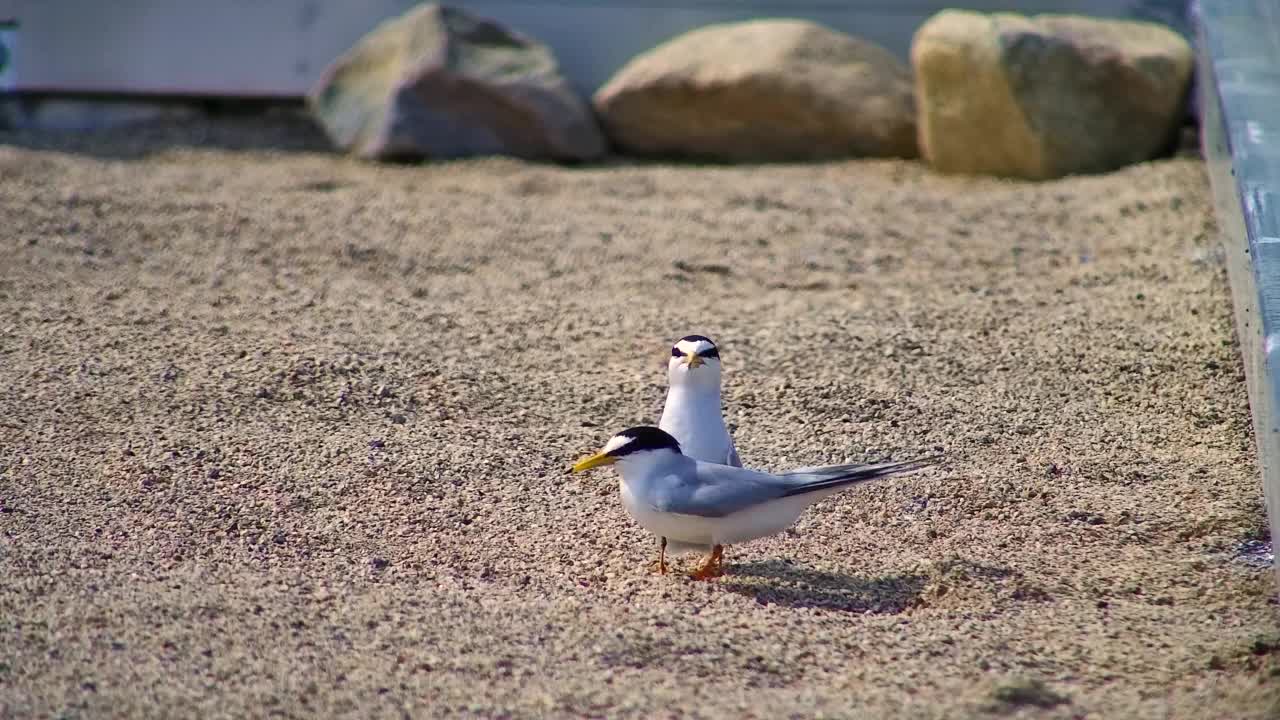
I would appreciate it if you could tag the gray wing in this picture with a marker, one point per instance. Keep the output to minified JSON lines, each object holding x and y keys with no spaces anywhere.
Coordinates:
{"x":829,"y":477}
{"x":712,"y":490}
{"x":822,"y":470}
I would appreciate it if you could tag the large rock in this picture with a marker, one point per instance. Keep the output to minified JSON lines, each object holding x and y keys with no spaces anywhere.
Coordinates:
{"x":438,"y":82}
{"x":1046,"y":96}
{"x":760,"y":91}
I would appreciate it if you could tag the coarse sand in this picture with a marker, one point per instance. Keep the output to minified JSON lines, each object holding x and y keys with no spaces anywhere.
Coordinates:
{"x":287,"y":435}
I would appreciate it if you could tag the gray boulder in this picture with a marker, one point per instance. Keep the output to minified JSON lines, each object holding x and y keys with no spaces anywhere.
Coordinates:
{"x":762,"y":90}
{"x":1046,"y":96}
{"x":438,"y":82}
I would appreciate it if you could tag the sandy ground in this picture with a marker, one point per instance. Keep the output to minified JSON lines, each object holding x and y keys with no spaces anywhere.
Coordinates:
{"x":287,"y":435}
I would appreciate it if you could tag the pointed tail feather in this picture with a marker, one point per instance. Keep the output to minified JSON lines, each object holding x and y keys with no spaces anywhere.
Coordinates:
{"x":834,"y":476}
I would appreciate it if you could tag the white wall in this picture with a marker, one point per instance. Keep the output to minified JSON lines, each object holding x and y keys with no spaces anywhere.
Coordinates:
{"x":279,"y":47}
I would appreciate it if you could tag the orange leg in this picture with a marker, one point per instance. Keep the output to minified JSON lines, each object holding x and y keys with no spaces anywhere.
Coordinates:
{"x":710,"y":566}
{"x":661,"y":566}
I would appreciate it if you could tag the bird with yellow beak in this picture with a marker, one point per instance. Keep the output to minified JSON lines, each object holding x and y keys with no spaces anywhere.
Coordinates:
{"x":693,"y":413}
{"x":710,"y":505}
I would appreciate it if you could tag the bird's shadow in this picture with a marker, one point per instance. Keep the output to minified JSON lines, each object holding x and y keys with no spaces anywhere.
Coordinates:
{"x":783,"y":583}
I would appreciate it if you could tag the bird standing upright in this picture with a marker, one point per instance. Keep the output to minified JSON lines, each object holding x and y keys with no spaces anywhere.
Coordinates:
{"x":693,"y":414}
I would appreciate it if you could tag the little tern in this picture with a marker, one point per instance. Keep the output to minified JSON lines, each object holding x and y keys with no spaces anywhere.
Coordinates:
{"x":693,"y":414}
{"x":709,"y":505}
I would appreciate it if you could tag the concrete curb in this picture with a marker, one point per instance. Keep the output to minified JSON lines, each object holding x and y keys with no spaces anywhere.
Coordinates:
{"x":1238,"y":54}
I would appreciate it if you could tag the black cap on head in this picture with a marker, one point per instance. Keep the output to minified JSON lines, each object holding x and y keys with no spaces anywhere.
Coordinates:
{"x":696,"y":338}
{"x":711,"y":352}
{"x":645,"y":437}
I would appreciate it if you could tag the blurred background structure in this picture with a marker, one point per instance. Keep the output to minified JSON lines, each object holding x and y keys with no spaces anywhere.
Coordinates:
{"x":278,"y":49}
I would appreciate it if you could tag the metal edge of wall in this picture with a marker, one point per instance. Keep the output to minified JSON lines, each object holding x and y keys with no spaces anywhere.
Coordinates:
{"x":1238,"y":55}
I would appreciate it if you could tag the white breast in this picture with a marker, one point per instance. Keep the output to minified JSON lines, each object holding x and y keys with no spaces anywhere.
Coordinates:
{"x":695,"y":421}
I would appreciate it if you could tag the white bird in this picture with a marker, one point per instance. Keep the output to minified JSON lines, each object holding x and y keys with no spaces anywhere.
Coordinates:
{"x":693,"y":414}
{"x":709,"y":505}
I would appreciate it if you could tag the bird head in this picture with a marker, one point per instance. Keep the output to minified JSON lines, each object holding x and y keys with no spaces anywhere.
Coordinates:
{"x":642,"y":444}
{"x":695,"y":361}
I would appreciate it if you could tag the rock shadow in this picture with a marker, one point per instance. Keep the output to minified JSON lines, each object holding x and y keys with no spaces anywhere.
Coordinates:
{"x":781,"y":582}
{"x":234,"y":125}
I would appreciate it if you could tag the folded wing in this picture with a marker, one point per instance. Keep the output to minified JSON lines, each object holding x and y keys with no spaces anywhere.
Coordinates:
{"x":834,"y":476}
{"x":712,"y":490}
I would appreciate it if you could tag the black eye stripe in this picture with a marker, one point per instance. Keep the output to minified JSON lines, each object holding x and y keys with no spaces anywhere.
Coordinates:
{"x":708,"y":353}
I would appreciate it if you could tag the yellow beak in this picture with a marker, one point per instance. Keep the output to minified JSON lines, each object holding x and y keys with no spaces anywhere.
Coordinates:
{"x":594,"y":461}
{"x":695,"y":361}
